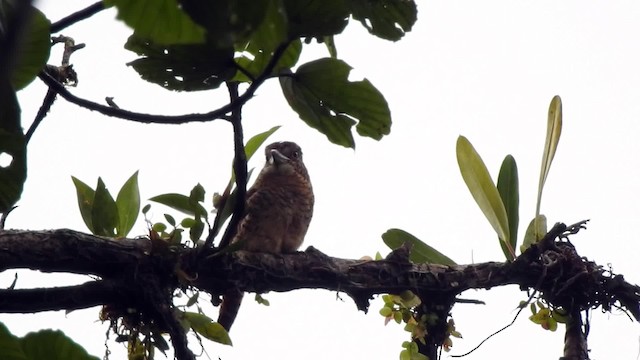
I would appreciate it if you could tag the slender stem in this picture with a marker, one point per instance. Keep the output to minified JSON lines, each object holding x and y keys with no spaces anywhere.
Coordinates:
{"x":239,"y":169}
{"x":77,"y":16}
{"x":42,"y":112}
{"x":220,"y":113}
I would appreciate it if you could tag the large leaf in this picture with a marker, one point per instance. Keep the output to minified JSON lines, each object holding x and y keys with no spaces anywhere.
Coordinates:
{"x":554,"y":129}
{"x":421,"y":253}
{"x":322,"y":95}
{"x":316,"y":18}
{"x":510,"y":195}
{"x":53,"y":345}
{"x":104,"y":215}
{"x":259,"y":49}
{"x":227,"y":22}
{"x":179,"y":202}
{"x":484,"y":192}
{"x":13,"y":149}
{"x":128,"y":203}
{"x":85,"y":195}
{"x":32,"y":48}
{"x":388,"y":19}
{"x":186,"y":67}
{"x":161,"y":21}
{"x":10,"y":345}
{"x":44,"y":344}
{"x":206,"y":327}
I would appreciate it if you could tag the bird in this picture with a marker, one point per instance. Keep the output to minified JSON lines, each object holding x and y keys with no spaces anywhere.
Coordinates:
{"x":278,"y":210}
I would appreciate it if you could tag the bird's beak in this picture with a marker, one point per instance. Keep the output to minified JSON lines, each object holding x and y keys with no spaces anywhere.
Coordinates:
{"x":277,"y":158}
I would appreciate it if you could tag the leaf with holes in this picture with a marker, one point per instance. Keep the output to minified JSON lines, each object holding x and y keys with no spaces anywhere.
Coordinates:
{"x":322,"y":95}
{"x":387,"y":19}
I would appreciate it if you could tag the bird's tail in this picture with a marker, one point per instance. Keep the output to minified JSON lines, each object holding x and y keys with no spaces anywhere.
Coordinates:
{"x":231,"y":301}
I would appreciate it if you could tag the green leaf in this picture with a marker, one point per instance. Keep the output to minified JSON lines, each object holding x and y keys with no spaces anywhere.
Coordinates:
{"x":53,"y":345}
{"x":195,"y":232}
{"x":197,"y":194}
{"x":227,"y":22}
{"x":322,"y":95}
{"x":536,"y":230}
{"x":179,"y":202}
{"x":206,"y":327}
{"x":85,"y":195}
{"x":187,"y":222}
{"x":387,"y":19}
{"x":128,"y":204}
{"x":170,"y":220}
{"x":33,"y":45}
{"x":421,"y":253}
{"x":554,"y":129}
{"x":227,"y":210}
{"x":104,"y":215}
{"x":186,"y":67}
{"x":193,"y":299}
{"x":13,"y":148}
{"x":258,"y":50}
{"x":262,"y":301}
{"x":510,"y":195}
{"x":257,"y":140}
{"x":13,"y":168}
{"x":476,"y":176}
{"x":10,"y":345}
{"x":316,"y":18}
{"x":161,"y":21}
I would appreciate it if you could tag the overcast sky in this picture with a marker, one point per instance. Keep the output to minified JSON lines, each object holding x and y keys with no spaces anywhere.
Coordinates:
{"x":483,"y":69}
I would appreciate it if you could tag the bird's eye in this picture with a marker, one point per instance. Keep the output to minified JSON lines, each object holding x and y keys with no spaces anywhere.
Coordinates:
{"x":296,"y":154}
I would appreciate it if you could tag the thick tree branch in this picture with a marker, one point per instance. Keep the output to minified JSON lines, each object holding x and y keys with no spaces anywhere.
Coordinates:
{"x":70,"y":251}
{"x":142,"y":275}
{"x":89,"y":294}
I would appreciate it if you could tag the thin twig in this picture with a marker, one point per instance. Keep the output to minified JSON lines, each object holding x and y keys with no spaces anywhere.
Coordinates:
{"x":48,"y":100}
{"x":241,"y":175}
{"x":77,"y":16}
{"x":220,"y":113}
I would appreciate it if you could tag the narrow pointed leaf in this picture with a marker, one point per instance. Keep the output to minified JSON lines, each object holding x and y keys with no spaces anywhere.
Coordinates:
{"x":206,"y":327}
{"x":510,"y":195}
{"x":257,"y":140}
{"x":476,"y":176}
{"x":421,"y":253}
{"x":554,"y":129}
{"x":85,"y":196}
{"x":128,"y":203}
{"x":179,"y":202}
{"x":104,"y":214}
{"x":535,"y":231}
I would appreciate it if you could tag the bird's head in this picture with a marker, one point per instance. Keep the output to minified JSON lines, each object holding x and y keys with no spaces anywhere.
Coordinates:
{"x":285,"y":157}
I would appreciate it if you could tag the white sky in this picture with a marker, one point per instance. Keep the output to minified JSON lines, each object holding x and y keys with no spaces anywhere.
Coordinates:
{"x":487,"y":70}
